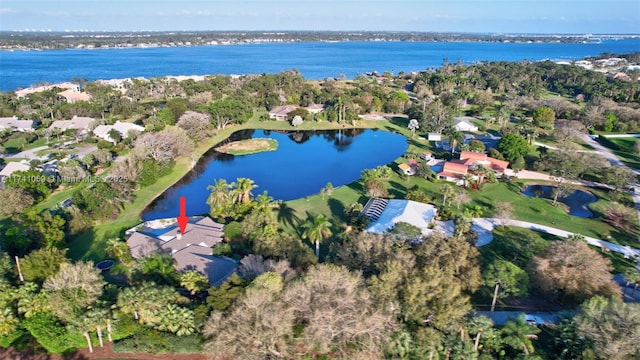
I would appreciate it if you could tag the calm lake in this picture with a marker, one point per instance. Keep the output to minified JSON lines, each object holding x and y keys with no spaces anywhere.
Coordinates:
{"x":314,"y":60}
{"x":577,"y":201}
{"x":303,"y":163}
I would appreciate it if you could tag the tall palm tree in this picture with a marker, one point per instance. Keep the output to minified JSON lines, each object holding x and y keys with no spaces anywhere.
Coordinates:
{"x":145,"y":301}
{"x":317,"y":230}
{"x":264,"y":202}
{"x":519,"y":334}
{"x":220,"y":195}
{"x":478,"y":325}
{"x":455,"y":137}
{"x":447,"y":191}
{"x":242,"y":191}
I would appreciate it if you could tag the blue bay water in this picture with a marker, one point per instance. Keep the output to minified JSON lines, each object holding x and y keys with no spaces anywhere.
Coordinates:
{"x":315,"y":60}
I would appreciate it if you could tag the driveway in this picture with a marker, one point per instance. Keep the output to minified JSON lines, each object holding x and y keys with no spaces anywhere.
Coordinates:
{"x":486,"y":226}
{"x":502,"y":317}
{"x":28,"y":154}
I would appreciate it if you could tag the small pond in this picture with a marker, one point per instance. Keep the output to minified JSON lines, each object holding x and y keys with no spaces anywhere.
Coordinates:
{"x":577,"y":201}
{"x":304,"y":162}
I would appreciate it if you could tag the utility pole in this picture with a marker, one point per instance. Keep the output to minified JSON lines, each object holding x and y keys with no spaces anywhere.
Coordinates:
{"x":19,"y":271}
{"x":495,"y":296}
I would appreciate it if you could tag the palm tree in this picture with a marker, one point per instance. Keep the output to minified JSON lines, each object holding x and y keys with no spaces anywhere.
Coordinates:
{"x":159,"y":268}
{"x":194,"y":281}
{"x":243,"y":187}
{"x":317,"y":230}
{"x":481,"y":172}
{"x":264,"y":202}
{"x":478,"y":325}
{"x":177,"y":320}
{"x":220,"y":195}
{"x":447,"y":191}
{"x":120,"y":250}
{"x":455,"y":137}
{"x":145,"y":301}
{"x":519,"y":334}
{"x":467,"y":178}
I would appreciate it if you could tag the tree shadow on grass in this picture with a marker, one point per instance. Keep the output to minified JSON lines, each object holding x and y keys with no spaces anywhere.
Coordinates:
{"x":287,"y":215}
{"x":337,"y":209}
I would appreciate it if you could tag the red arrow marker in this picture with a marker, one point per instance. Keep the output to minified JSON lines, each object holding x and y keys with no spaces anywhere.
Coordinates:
{"x":183,"y":219}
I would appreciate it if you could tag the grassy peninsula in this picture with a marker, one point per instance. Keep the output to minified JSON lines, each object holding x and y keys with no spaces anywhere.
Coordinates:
{"x":248,"y":146}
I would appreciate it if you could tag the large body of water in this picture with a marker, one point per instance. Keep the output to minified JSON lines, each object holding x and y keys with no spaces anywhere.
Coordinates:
{"x":315,"y":60}
{"x":303,"y":163}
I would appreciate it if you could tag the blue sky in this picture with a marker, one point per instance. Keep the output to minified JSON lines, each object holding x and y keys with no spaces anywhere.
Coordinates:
{"x":502,"y":16}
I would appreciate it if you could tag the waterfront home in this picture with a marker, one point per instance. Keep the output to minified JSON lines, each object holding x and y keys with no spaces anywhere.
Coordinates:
{"x":407,"y":169}
{"x":191,"y":250}
{"x":123,"y":128}
{"x":280,"y":112}
{"x":72,"y":96}
{"x":315,"y":108}
{"x":31,"y":90}
{"x":14,"y":123}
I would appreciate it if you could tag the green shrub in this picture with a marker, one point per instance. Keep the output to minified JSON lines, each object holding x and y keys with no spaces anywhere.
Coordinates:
{"x":157,"y":342}
{"x":221,"y":249}
{"x":10,"y":338}
{"x":52,"y":335}
{"x":152,"y":170}
{"x":232,"y":230}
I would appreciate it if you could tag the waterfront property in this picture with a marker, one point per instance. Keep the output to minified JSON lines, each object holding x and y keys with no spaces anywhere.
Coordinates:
{"x":280,"y":112}
{"x":191,"y":250}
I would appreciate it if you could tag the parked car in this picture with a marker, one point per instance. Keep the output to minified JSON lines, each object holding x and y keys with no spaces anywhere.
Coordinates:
{"x":533,"y":320}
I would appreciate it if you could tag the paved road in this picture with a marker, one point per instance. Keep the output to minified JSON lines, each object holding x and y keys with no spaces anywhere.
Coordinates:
{"x":502,"y":317}
{"x":485,"y":226}
{"x":555,"y":148}
{"x":28,"y":154}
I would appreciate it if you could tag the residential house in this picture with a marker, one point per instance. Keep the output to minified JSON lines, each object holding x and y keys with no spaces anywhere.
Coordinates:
{"x":82,"y":124}
{"x":315,"y":108}
{"x":12,"y":167}
{"x":427,"y":155}
{"x":464,"y":124}
{"x":407,"y":169}
{"x":123,"y":128}
{"x":454,"y":172}
{"x":66,"y":85}
{"x":191,"y":250}
{"x":280,"y":112}
{"x":473,"y":159}
{"x":72,"y":96}
{"x":384,"y":214}
{"x":14,"y":123}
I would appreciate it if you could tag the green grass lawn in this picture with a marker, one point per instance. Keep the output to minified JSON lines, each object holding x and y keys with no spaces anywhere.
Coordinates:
{"x":623,"y":148}
{"x":90,"y":245}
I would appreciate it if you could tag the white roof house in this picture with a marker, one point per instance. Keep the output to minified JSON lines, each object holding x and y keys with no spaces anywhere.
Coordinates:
{"x":76,"y":123}
{"x":102,"y":131}
{"x":16,"y":124}
{"x":464,"y":124}
{"x":71,"y":96}
{"x":12,"y":167}
{"x":385,"y":214}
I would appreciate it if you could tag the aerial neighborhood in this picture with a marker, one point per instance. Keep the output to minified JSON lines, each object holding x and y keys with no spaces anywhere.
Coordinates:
{"x":474,"y":211}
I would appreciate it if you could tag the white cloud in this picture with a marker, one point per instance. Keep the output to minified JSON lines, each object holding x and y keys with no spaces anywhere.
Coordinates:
{"x":7,"y":11}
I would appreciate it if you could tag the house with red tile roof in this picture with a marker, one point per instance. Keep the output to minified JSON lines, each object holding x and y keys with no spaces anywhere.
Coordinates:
{"x":473,"y":158}
{"x":191,"y":250}
{"x":71,"y":96}
{"x":454,"y":172}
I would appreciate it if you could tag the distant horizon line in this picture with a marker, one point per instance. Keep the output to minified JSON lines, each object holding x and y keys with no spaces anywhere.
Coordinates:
{"x":350,"y":32}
